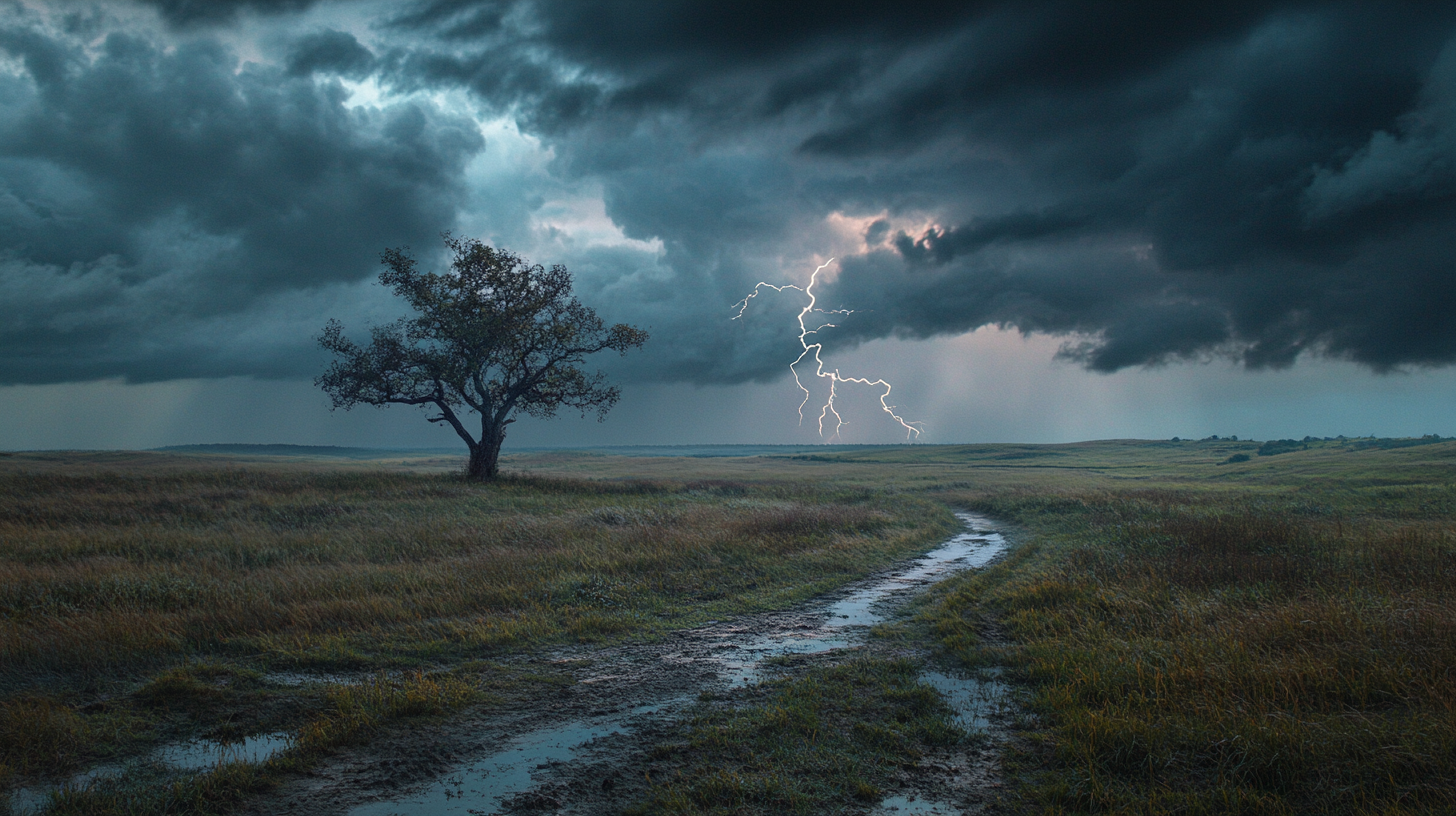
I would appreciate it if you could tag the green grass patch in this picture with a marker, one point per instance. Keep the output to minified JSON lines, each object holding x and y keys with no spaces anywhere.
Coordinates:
{"x":834,"y":736}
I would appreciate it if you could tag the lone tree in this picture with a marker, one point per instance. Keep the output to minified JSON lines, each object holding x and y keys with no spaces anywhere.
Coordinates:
{"x":495,"y":335}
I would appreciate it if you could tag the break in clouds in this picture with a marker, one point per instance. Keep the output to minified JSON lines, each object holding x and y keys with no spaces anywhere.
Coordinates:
{"x":190,"y":189}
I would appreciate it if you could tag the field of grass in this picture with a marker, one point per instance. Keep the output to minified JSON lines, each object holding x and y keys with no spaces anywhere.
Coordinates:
{"x":1279,"y":642}
{"x":147,"y":598}
{"x":1198,"y":627}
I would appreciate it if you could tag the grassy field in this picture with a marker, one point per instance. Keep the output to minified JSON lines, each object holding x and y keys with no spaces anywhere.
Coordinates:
{"x":1275,"y":637}
{"x":147,"y":598}
{"x":1195,"y":633}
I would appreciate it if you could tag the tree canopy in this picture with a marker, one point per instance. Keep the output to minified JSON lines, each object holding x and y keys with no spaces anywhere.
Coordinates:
{"x":493,"y":336}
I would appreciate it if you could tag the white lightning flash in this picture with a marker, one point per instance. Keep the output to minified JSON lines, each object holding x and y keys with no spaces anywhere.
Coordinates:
{"x":834,"y":377}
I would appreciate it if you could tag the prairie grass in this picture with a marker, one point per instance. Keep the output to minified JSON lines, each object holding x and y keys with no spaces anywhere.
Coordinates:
{"x":1196,"y":651}
{"x":1197,"y":634}
{"x":354,"y":712}
{"x":820,"y":742}
{"x":124,"y":584}
{"x":102,"y":573}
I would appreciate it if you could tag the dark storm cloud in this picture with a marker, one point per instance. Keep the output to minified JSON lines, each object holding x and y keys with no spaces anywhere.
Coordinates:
{"x":1154,"y":182}
{"x":1161,"y":181}
{"x":205,"y":12}
{"x":152,"y":195}
{"x":333,"y":52}
{"x":939,"y":245}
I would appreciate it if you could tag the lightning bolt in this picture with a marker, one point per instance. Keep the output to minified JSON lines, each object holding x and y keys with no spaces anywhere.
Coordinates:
{"x":834,"y":377}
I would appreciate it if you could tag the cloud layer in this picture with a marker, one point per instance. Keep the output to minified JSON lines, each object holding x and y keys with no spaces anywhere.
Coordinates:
{"x":150,"y":191}
{"x":1258,"y":180}
{"x":1154,"y":183}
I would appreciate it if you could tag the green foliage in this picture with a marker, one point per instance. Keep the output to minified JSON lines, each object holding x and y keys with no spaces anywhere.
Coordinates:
{"x":1277,"y":446}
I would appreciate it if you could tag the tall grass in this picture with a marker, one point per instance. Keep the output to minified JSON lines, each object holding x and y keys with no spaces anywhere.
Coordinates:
{"x":101,"y":572}
{"x":1259,"y":653}
{"x":109,"y":578}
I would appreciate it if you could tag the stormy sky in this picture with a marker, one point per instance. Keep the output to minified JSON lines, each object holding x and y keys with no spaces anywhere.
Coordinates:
{"x":1052,"y":220}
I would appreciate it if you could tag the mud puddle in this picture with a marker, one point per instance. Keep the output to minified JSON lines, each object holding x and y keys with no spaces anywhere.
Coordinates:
{"x":845,"y":620}
{"x":624,"y":694}
{"x":193,"y":755}
{"x":481,"y":785}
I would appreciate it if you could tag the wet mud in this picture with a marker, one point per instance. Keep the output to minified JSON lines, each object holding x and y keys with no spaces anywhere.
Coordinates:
{"x":587,"y":747}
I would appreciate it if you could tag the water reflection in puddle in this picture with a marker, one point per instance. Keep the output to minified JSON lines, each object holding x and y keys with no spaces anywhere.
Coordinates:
{"x":907,"y":807}
{"x":196,"y":755}
{"x":31,"y":800}
{"x":973,"y":699}
{"x":201,"y":755}
{"x":482,"y":786}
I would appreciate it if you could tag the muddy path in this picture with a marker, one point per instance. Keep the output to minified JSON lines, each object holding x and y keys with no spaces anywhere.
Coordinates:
{"x":587,"y":747}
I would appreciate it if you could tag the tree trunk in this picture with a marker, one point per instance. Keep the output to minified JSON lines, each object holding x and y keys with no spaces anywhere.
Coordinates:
{"x":485,"y":456}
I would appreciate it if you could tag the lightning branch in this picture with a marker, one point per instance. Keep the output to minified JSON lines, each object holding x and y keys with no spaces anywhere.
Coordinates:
{"x":835,"y":378}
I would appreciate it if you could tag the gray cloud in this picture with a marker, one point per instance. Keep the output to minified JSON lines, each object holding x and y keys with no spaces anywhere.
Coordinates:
{"x":330,"y":52}
{"x":1155,"y":182}
{"x":1162,"y":182}
{"x":192,"y":13}
{"x":146,"y":191}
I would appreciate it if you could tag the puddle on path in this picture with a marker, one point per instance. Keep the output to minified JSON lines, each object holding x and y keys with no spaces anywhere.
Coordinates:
{"x":971,"y":549}
{"x":903,"y":806}
{"x":480,"y":787}
{"x":974,"y":699}
{"x":32,"y":799}
{"x":199,"y":755}
{"x":195,"y":755}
